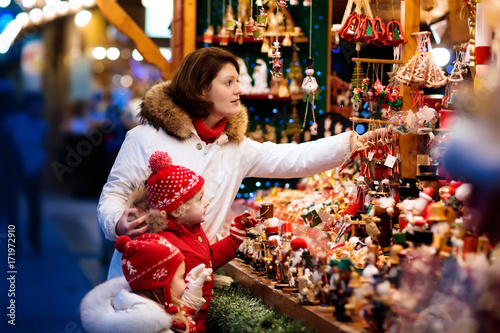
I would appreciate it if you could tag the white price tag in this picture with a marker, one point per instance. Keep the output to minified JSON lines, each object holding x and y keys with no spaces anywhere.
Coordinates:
{"x":370,"y":155}
{"x":390,"y":160}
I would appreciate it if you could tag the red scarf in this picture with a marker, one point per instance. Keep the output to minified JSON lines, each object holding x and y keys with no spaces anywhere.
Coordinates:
{"x":207,"y":134}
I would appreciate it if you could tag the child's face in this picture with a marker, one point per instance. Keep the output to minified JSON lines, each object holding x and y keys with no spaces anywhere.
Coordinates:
{"x":177,"y":285}
{"x":196,"y":210}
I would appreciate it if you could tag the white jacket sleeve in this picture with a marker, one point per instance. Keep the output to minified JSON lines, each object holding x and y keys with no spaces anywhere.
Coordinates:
{"x":130,"y":169}
{"x":296,"y":160}
{"x":112,"y":307}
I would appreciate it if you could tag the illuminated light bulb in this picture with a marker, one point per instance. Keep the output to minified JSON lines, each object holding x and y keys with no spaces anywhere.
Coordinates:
{"x":441,"y":56}
{"x":166,"y":53}
{"x":113,"y":53}
{"x":62,"y":7}
{"x":49,"y":11}
{"x":23,"y":18}
{"x":28,"y":3}
{"x":75,"y":4}
{"x":83,"y":18}
{"x":136,"y":55}
{"x":36,"y":15}
{"x":4,"y":3}
{"x":126,"y":81}
{"x":99,"y":53}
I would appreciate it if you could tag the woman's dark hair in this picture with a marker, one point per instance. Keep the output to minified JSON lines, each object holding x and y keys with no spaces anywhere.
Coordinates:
{"x":193,"y":77}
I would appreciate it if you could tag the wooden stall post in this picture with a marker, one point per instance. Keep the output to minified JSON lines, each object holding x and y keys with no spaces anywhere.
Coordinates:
{"x":410,"y":19}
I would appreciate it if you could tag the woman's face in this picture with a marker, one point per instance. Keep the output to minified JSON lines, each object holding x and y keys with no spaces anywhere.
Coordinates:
{"x":225,"y":92}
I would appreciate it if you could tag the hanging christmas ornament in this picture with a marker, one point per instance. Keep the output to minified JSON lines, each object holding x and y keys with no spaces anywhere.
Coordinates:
{"x":395,"y":99}
{"x":307,"y":3}
{"x":368,"y":31}
{"x":394,"y":34}
{"x":223,"y":37}
{"x":208,"y":34}
{"x":356,"y":99}
{"x":257,"y":33}
{"x":277,"y":62}
{"x":435,"y":76}
{"x":230,"y":21}
{"x":421,"y":69}
{"x":262,"y":17}
{"x":379,"y":27}
{"x":281,"y":3}
{"x":309,"y":85}
{"x":456,"y":72}
{"x":238,"y":33}
{"x":351,"y":30}
{"x":357,"y":75}
{"x":354,"y":26}
{"x":249,"y":26}
{"x":294,"y":2}
{"x":310,"y":88}
{"x":250,"y":23}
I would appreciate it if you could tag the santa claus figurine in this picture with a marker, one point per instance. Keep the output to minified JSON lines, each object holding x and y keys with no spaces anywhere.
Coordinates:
{"x":298,"y":245}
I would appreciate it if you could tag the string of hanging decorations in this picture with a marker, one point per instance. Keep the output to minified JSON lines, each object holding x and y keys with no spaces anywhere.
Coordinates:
{"x":310,"y":86}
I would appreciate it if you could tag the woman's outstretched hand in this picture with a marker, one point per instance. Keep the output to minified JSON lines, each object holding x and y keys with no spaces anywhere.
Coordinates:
{"x":376,"y":134}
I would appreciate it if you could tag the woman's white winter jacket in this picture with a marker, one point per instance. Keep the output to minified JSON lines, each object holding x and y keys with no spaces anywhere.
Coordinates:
{"x":223,"y":164}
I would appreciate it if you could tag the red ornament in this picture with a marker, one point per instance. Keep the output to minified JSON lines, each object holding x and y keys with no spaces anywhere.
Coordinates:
{"x":368,"y":31}
{"x":394,"y":34}
{"x":350,"y":30}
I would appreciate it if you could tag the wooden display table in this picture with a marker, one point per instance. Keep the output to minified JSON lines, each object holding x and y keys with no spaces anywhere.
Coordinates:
{"x":286,"y":303}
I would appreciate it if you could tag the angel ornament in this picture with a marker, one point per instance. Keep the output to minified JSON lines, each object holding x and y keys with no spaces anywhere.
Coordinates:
{"x":311,"y":89}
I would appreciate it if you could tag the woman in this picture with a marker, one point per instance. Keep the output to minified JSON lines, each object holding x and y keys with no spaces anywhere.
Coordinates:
{"x":198,"y":119}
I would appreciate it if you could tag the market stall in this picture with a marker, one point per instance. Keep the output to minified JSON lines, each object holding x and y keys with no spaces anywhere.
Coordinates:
{"x":399,"y":237}
{"x":392,"y":239}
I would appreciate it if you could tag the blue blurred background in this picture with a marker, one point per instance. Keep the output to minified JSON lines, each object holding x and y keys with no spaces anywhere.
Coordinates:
{"x":63,"y":118}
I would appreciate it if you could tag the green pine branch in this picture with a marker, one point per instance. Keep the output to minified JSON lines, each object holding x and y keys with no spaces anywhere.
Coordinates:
{"x":236,"y":309}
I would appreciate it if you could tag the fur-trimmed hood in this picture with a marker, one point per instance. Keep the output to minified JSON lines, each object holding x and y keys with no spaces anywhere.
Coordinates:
{"x":112,"y":308}
{"x":159,"y":110}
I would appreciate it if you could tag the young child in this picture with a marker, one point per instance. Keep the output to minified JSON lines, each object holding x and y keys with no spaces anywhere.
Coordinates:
{"x":152,"y":296}
{"x":178,"y":208}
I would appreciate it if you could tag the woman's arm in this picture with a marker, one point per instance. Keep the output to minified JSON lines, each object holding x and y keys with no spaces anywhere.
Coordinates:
{"x":296,"y":160}
{"x":130,"y":169}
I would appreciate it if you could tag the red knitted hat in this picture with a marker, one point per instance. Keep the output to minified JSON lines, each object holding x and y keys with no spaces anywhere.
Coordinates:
{"x":170,"y":186}
{"x":149,"y":262}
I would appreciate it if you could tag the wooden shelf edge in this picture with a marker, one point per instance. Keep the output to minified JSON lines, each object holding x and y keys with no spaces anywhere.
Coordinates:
{"x":232,"y":39}
{"x":271,"y":97}
{"x":287,"y":304}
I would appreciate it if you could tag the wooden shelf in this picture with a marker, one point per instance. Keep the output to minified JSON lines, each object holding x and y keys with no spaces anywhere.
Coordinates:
{"x":270,"y":97}
{"x":285,"y":303}
{"x":232,"y":39}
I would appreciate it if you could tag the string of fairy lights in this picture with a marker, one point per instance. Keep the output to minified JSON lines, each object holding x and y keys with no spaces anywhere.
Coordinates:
{"x":38,"y":12}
